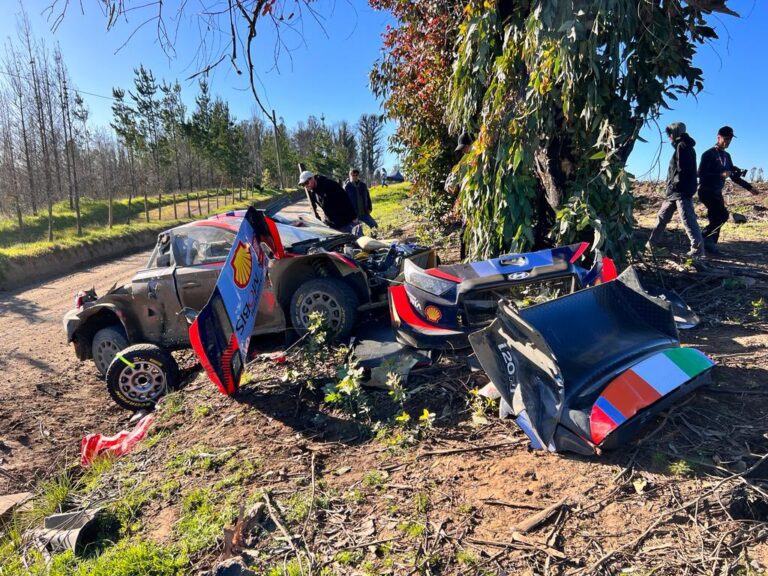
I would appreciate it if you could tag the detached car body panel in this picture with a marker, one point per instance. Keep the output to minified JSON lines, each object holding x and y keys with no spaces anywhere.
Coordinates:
{"x":584,"y":372}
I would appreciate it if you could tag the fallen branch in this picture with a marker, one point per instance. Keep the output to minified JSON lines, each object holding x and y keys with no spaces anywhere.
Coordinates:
{"x":512,"y":504}
{"x":540,"y":517}
{"x":520,"y":540}
{"x":463,"y":450}
{"x":276,"y":519}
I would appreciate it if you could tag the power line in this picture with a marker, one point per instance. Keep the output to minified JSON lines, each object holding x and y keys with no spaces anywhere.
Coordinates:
{"x":28,"y":79}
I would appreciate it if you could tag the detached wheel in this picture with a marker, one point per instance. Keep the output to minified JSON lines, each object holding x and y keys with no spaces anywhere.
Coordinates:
{"x":141,"y":375}
{"x":332,"y":298}
{"x":105,"y":344}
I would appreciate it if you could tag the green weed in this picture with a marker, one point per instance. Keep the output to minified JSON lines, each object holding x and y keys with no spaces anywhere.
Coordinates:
{"x":680,"y":468}
{"x":202,"y":521}
{"x":373,"y":479}
{"x":202,"y":410}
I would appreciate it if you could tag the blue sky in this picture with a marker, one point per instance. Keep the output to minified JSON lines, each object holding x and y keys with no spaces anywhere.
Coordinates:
{"x":327,"y":72}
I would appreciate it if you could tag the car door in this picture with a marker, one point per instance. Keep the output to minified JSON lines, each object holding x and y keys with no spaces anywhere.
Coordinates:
{"x":156,"y":307}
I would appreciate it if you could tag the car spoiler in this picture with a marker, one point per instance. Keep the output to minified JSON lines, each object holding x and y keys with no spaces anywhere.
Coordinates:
{"x":584,"y":372}
{"x":221,"y":331}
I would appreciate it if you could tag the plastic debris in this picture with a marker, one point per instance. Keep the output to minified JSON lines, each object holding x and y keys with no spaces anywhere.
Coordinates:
{"x":121,"y":443}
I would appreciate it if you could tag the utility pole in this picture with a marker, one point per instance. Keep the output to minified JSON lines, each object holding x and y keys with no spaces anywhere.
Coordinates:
{"x":277,"y":152}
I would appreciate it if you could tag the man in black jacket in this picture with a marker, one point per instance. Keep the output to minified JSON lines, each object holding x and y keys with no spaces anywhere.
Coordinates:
{"x":681,"y":186}
{"x":360,"y":197}
{"x":715,"y":167}
{"x":328,"y":194}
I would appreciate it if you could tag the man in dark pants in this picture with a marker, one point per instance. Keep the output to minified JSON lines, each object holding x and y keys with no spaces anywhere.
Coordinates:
{"x":715,"y":167}
{"x":360,"y":196}
{"x":681,"y":186}
{"x":328,"y":194}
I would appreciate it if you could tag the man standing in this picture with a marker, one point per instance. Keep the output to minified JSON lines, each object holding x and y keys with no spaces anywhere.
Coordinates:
{"x":715,"y":167}
{"x":681,"y":186}
{"x":328,"y":194}
{"x":453,"y":186}
{"x":360,"y":196}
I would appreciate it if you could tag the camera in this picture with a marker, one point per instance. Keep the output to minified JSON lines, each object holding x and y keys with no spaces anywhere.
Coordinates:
{"x":738,"y":172}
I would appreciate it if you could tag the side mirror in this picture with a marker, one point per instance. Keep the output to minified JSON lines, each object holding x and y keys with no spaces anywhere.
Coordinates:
{"x":189,"y":314}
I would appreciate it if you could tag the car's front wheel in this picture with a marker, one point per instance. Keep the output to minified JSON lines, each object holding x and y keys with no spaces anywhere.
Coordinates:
{"x":140,"y":375}
{"x":332,"y":298}
{"x":105,"y":344}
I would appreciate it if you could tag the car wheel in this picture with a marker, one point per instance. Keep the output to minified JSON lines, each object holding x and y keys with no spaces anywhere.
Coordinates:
{"x":141,"y":375}
{"x":105,"y":344}
{"x":332,"y":298}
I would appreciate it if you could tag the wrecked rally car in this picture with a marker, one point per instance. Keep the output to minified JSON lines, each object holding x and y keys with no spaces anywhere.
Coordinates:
{"x":311,"y":268}
{"x":438,"y":308}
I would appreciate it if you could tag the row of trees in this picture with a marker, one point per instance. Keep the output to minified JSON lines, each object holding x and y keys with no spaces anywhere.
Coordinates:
{"x":51,"y":151}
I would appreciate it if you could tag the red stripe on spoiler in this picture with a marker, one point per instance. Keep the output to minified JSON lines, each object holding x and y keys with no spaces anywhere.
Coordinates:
{"x":437,"y":273}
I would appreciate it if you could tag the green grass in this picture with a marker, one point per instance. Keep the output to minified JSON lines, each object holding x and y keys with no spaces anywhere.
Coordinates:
{"x":94,"y":215}
{"x":389,"y":204}
{"x":15,"y":244}
{"x":203,"y":520}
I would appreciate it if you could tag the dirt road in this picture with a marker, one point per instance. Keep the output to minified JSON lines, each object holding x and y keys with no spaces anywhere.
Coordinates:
{"x":48,"y":399}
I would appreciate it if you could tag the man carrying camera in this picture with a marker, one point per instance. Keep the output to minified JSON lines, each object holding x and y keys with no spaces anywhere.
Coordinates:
{"x":715,"y":167}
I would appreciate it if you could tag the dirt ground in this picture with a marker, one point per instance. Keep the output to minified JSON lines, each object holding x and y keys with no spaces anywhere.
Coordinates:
{"x":686,"y":497}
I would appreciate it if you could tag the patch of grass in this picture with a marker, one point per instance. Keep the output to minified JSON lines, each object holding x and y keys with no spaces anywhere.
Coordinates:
{"x":349,"y":557}
{"x":373,"y":479}
{"x":199,"y":458}
{"x":202,"y":410}
{"x":466,"y":509}
{"x":297,"y":507}
{"x":202,"y":520}
{"x":99,"y":466}
{"x":171,"y":405}
{"x":466,"y":558}
{"x":412,"y":529}
{"x":54,"y":495}
{"x":291,"y":568}
{"x":680,"y":468}
{"x":129,"y":507}
{"x":136,"y":558}
{"x":388,"y":204}
{"x":420,"y":502}
{"x":239,"y":472}
{"x":154,"y":439}
{"x":354,"y":496}
{"x":94,"y":216}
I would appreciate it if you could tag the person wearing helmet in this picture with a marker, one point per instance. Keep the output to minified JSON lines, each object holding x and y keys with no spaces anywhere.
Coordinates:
{"x":328,"y":194}
{"x":715,"y":167}
{"x":681,"y":186}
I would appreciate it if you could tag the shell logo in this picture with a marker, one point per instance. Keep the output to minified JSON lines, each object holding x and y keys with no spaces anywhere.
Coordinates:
{"x":242,"y":264}
{"x":433,"y":313}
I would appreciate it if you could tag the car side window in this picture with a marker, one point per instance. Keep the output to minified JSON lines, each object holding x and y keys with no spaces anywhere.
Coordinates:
{"x":161,"y":256}
{"x":198,"y":245}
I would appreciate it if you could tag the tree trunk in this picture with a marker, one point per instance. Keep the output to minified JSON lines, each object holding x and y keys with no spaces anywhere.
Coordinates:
{"x":28,"y":157}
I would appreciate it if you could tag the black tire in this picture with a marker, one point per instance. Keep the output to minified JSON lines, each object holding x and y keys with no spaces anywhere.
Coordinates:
{"x":105,"y":344}
{"x":334,"y":298}
{"x":141,"y":375}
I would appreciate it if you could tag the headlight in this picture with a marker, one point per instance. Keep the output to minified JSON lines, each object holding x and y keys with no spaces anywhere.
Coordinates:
{"x":415,"y":276}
